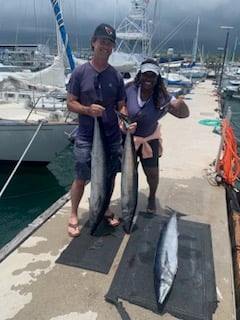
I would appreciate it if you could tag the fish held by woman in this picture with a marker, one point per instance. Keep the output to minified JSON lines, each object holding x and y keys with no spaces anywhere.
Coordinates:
{"x":129,"y":183}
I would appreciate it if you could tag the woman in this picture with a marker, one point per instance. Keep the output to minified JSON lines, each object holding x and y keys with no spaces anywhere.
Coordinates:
{"x":148,"y":100}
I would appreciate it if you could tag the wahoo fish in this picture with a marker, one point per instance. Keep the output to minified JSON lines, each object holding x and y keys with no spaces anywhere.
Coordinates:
{"x":166,"y":259}
{"x":99,"y":192}
{"x":129,"y":183}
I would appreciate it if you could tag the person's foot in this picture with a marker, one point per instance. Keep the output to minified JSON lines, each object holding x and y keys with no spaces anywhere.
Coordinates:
{"x":151,"y":206}
{"x":111,"y":219}
{"x":73,"y":227}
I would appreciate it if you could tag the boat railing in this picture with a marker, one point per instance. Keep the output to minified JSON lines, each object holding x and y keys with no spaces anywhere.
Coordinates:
{"x":51,"y":105}
{"x":54,"y":113}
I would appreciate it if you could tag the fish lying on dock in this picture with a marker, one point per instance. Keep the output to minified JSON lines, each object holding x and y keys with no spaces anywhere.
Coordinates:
{"x":166,"y":259}
{"x":129,"y":183}
{"x":100,"y":189}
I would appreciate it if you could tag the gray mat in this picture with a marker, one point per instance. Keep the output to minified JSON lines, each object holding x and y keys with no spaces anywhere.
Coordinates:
{"x":96,"y":252}
{"x":193,"y":295}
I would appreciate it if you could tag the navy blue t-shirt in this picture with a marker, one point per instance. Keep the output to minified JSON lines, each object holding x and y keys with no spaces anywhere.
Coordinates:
{"x":105,"y":88}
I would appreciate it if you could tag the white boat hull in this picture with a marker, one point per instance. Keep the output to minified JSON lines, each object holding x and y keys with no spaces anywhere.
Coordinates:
{"x":51,"y":139}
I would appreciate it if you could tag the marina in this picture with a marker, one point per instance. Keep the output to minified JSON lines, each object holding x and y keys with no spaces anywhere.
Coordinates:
{"x":36,"y":285}
{"x":118,"y":273}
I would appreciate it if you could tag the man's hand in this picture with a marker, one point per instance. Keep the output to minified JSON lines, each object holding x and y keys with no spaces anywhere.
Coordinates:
{"x":96,"y":110}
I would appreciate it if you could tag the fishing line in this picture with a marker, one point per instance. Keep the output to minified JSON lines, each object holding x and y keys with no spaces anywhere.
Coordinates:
{"x":15,"y":196}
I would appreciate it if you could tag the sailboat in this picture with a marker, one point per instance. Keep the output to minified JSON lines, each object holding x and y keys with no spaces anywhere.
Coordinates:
{"x":32,"y":134}
{"x":194,"y":69}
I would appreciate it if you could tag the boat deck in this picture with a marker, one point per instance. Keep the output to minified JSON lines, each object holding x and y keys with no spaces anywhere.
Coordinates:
{"x":34,"y":286}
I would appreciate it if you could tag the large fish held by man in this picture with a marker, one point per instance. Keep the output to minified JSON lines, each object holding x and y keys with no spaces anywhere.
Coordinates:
{"x":166,"y":259}
{"x":129,"y":183}
{"x":100,"y":186}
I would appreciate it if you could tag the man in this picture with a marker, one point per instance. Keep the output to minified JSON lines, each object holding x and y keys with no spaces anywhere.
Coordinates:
{"x":95,"y":89}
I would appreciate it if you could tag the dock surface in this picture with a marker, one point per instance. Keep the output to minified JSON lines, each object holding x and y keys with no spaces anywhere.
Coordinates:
{"x":34,"y":286}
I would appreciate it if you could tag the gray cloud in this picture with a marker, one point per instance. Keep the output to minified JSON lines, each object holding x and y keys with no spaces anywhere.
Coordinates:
{"x":24,"y":21}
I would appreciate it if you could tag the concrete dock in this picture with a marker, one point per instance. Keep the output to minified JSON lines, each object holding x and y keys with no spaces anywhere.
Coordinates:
{"x":33,"y":286}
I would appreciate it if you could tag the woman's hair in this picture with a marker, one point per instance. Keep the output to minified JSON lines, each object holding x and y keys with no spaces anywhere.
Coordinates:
{"x":159,"y":91}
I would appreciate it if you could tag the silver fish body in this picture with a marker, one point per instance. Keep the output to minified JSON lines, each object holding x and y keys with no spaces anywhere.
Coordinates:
{"x":98,"y":191}
{"x":166,"y":259}
{"x":129,"y":183}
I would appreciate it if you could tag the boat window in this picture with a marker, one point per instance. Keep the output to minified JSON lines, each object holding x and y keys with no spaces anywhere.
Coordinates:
{"x":11,"y":95}
{"x":23,"y":96}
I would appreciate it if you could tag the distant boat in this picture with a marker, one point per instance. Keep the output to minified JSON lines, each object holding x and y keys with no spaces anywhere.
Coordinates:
{"x":194,"y":69}
{"x":33,"y":57}
{"x":177,"y":80}
{"x":234,"y":82}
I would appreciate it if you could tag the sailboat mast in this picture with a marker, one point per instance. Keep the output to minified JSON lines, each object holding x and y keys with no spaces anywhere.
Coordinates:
{"x":195,"y":44}
{"x":152,"y":24}
{"x":60,"y":22}
{"x":235,"y":48}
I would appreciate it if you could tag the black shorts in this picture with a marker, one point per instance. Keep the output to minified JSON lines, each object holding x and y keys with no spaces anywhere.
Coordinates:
{"x":152,"y":162}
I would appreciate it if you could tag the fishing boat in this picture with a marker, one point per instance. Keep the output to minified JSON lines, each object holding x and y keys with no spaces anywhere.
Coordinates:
{"x":134,"y":36}
{"x":32,"y":130}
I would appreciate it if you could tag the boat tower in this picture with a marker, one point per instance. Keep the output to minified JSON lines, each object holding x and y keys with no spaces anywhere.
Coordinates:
{"x":136,"y":29}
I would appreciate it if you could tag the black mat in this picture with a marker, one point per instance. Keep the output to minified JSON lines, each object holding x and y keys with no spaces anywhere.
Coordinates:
{"x":193,"y":295}
{"x":96,"y":252}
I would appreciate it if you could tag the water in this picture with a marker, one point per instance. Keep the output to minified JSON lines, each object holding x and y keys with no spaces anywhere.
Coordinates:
{"x":31,"y":191}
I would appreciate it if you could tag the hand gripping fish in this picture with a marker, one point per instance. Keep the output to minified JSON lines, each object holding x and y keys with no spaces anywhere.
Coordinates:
{"x":100,"y":189}
{"x":129,"y":183}
{"x":166,"y":259}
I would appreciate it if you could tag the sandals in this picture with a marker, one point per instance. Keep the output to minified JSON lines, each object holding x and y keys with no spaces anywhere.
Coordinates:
{"x":112,"y":220}
{"x":151,"y":206}
{"x":74,"y":227}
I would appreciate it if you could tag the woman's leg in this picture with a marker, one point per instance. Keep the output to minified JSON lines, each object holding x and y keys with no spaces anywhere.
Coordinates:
{"x":152,"y":175}
{"x":151,"y":170}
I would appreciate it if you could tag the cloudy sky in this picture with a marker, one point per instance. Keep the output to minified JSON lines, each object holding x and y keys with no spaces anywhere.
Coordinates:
{"x":33,"y":21}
